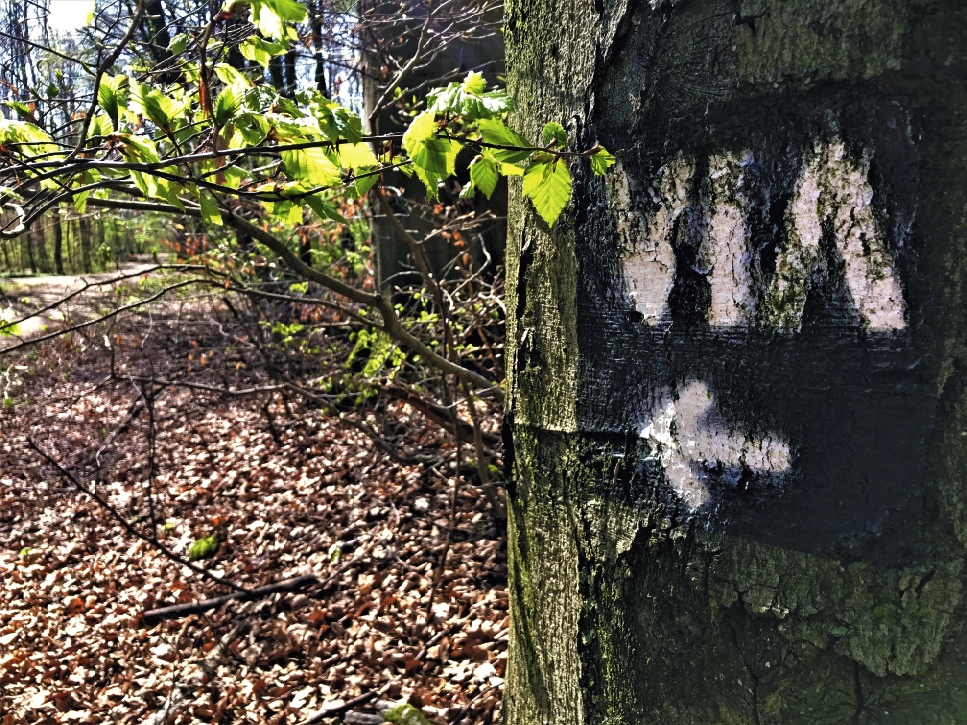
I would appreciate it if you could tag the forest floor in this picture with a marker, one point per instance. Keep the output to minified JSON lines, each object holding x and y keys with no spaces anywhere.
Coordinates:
{"x":27,"y":294}
{"x":295,"y":493}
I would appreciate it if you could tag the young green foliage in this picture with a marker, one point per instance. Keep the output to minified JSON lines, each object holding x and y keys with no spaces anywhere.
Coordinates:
{"x":204,"y":548}
{"x":234,"y":137}
{"x":548,"y":184}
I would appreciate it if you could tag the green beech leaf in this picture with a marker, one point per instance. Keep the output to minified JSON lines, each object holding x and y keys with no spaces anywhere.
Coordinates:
{"x":22,"y":109}
{"x":293,"y":214}
{"x":209,"y":209}
{"x":270,"y":16}
{"x":260,"y":51}
{"x":356,"y":156}
{"x":289,"y":10}
{"x":137,"y":148}
{"x":468,"y":100}
{"x":483,"y":174}
{"x":549,"y":186}
{"x":324,"y":209}
{"x":338,"y":123}
{"x":487,"y":105}
{"x":162,"y":110}
{"x":554,"y":132}
{"x":80,"y":200}
{"x":601,"y":160}
{"x":100,"y":126}
{"x":427,"y":152}
{"x":495,"y":131}
{"x":228,"y":104}
{"x":26,"y":133}
{"x":178,"y":44}
{"x":229,"y":75}
{"x":360,"y":187}
{"x":109,"y":96}
{"x":311,"y":166}
{"x":474,"y":83}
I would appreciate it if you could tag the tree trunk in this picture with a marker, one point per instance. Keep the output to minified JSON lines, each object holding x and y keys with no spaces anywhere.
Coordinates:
{"x":84,"y":232}
{"x":38,"y":240}
{"x":277,"y":74}
{"x":58,"y":245}
{"x":291,"y":81}
{"x":738,"y":374}
{"x":315,"y":23}
{"x":27,"y":245}
{"x":103,"y":251}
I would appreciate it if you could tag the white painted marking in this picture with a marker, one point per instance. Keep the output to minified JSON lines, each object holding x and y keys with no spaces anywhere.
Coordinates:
{"x":726,"y":245}
{"x":869,"y":266}
{"x":689,"y":437}
{"x":833,"y":190}
{"x":650,"y":268}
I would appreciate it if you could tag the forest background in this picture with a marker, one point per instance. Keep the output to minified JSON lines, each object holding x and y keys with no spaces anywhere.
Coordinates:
{"x":252,"y":334}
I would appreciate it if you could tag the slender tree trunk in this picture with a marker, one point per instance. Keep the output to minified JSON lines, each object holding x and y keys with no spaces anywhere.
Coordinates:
{"x":277,"y":74}
{"x":38,"y":239}
{"x":58,"y":245}
{"x":84,"y":231}
{"x":104,"y":253}
{"x":738,"y":372}
{"x":5,"y":244}
{"x":305,"y":249}
{"x":27,"y":246}
{"x":290,"y":76}
{"x":315,"y":23}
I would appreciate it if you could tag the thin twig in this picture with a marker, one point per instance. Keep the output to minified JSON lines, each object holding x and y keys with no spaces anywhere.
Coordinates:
{"x":128,"y":527}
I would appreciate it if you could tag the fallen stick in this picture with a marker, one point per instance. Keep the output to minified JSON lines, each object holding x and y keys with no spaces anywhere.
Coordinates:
{"x":154,"y":616}
{"x":185,"y":691}
{"x":338,"y":709}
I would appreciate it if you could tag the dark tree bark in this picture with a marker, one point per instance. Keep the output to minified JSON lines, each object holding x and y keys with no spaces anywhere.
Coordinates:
{"x":392,"y":261}
{"x":738,"y":388}
{"x":291,"y":84}
{"x":27,"y":250}
{"x":156,"y":36}
{"x":277,"y":74}
{"x":84,"y":232}
{"x":58,"y":245}
{"x":315,"y":23}
{"x":104,"y":254}
{"x":38,"y":240}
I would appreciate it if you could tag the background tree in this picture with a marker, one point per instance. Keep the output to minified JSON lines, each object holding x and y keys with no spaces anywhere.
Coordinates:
{"x":737,"y":385}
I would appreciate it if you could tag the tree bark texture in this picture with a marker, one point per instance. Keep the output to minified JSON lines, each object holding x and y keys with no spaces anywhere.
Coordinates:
{"x":738,"y":389}
{"x":58,"y":245}
{"x":84,"y":231}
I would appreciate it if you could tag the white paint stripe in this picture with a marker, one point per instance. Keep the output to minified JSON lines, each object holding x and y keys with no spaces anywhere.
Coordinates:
{"x":726,"y":244}
{"x":876,"y":293}
{"x":650,"y":268}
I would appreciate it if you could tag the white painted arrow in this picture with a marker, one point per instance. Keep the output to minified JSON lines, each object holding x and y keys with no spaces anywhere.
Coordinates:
{"x":689,"y":438}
